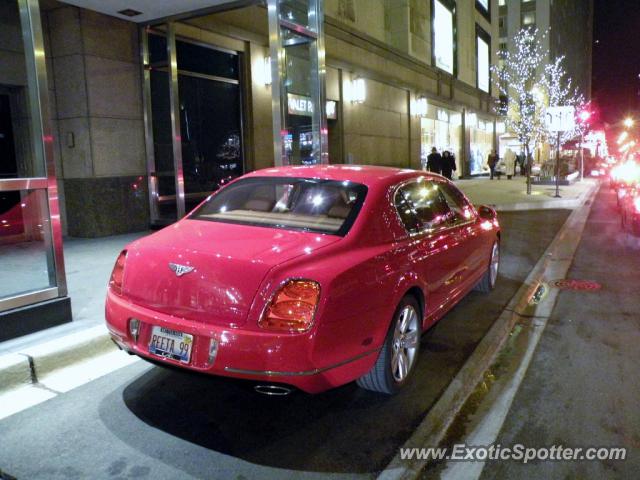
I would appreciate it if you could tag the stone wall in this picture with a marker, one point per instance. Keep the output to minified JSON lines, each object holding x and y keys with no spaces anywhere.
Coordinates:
{"x":97,"y":115}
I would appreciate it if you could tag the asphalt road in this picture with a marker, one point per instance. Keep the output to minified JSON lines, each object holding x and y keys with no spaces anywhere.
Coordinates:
{"x":582,"y":386}
{"x":148,"y":422}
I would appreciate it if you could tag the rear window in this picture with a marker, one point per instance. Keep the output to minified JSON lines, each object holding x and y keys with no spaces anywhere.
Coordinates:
{"x":323,"y":206}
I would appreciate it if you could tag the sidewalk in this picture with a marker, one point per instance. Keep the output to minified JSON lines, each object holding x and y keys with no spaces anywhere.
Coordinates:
{"x":88,"y":264}
{"x":509,"y":195}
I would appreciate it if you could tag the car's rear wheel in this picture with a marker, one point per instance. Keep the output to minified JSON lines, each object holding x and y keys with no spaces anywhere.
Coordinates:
{"x":399,"y":354}
{"x":490,"y":277}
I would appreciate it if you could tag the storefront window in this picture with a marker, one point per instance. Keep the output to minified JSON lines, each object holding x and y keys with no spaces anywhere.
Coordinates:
{"x":481,"y":144}
{"x":441,"y":129}
{"x":443,"y":35}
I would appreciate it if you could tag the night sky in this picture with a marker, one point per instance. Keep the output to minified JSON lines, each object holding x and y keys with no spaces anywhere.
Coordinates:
{"x":616,"y":59}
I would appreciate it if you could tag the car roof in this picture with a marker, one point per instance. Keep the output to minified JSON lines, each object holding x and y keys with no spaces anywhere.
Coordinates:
{"x":366,"y":174}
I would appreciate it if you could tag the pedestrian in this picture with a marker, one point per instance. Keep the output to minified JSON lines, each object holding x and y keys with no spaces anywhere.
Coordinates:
{"x":492,"y":161}
{"x":448,"y":164}
{"x":520,"y":162}
{"x":434,"y":161}
{"x":510,"y":162}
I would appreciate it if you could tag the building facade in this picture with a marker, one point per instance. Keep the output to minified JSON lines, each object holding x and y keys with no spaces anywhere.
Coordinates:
{"x":569,"y":28}
{"x":116,"y":119}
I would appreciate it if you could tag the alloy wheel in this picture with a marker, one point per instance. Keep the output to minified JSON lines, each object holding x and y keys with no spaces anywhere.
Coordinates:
{"x":405,"y":343}
{"x":495,"y":263}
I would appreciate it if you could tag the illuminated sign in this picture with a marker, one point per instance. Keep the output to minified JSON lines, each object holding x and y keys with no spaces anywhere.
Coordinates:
{"x":443,"y":36}
{"x":301,"y":105}
{"x":560,"y":119}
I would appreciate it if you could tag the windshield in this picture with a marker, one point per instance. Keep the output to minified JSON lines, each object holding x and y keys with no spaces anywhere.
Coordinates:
{"x":324,"y":206}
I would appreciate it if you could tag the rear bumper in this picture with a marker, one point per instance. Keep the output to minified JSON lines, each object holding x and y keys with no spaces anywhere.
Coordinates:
{"x":247,"y":354}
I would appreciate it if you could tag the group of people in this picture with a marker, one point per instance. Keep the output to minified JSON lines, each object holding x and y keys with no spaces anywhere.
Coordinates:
{"x":444,"y":164}
{"x":511,"y":159}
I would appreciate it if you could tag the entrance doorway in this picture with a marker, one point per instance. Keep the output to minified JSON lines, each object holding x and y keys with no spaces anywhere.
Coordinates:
{"x":209,"y":106}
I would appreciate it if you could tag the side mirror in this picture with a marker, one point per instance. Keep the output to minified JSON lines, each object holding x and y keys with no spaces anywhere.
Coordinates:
{"x":487,"y":213}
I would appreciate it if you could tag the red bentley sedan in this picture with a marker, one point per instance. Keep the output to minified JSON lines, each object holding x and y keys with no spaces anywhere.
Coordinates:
{"x":307,"y":277}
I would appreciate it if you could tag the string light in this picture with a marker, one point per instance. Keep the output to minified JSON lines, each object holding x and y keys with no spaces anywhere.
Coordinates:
{"x":531,"y":87}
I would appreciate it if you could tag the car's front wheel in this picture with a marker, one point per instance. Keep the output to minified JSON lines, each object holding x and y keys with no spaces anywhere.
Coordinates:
{"x":399,"y":354}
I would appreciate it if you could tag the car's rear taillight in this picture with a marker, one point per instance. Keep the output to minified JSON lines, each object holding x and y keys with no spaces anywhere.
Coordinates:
{"x":115,"y":282}
{"x":292,"y":308}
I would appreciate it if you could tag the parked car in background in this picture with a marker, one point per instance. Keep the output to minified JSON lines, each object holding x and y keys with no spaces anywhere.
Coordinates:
{"x":307,"y":277}
{"x":630,"y":209}
{"x":624,"y":178}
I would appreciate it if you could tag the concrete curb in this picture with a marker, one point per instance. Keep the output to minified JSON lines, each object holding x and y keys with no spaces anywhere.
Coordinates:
{"x":32,"y":363}
{"x":14,"y":371}
{"x":556,"y":260}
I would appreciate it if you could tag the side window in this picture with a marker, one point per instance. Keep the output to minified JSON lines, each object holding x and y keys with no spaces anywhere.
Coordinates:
{"x":421,"y":205}
{"x":457,"y":203}
{"x":406,"y":210}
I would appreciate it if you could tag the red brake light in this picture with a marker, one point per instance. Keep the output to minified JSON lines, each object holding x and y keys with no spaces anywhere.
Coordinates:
{"x":115,"y":282}
{"x":292,"y":308}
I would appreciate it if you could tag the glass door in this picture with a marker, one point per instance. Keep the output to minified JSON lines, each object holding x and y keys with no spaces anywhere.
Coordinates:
{"x":31,"y":261}
{"x":204,"y":105}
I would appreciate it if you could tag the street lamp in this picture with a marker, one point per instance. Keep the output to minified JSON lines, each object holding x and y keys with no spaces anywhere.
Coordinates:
{"x":628,"y":122}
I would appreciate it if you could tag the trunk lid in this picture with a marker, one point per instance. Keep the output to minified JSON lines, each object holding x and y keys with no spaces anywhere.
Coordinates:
{"x":228,"y":263}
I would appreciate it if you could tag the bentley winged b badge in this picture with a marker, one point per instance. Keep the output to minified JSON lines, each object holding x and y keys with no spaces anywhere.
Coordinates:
{"x":180,"y":269}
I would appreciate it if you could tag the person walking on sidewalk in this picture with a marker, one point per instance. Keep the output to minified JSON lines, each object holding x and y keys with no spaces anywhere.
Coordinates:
{"x":434,"y":161}
{"x":510,"y":163}
{"x":448,"y":164}
{"x":492,"y":161}
{"x":520,"y":162}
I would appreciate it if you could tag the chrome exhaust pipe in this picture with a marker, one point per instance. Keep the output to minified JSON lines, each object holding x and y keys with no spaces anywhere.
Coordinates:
{"x":273,"y":390}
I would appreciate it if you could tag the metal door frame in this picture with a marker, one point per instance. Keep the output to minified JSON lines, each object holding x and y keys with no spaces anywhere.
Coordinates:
{"x":42,"y":138}
{"x":313,"y":34}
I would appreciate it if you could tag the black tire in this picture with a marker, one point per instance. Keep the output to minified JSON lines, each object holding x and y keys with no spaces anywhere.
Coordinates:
{"x":380,"y":378}
{"x":488,"y":282}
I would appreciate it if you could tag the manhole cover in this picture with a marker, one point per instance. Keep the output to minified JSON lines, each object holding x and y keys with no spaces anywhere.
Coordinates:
{"x":582,"y":285}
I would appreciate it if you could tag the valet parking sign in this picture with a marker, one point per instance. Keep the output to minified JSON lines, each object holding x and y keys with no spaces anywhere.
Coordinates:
{"x":560,"y":119}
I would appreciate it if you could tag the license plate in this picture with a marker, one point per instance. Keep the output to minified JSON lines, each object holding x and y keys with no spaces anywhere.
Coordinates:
{"x":171,"y":344}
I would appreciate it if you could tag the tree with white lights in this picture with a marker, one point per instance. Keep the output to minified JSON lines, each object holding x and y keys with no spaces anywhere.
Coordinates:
{"x":560,"y":93}
{"x":519,"y":78}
